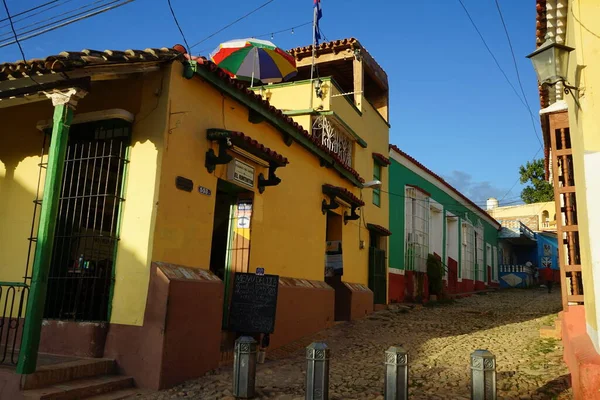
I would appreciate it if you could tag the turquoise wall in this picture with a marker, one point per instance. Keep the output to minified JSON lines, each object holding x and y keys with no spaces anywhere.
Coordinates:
{"x":399,"y":177}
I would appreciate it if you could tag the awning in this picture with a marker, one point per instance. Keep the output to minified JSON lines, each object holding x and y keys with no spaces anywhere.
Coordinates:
{"x":252,"y":146}
{"x":228,"y":139}
{"x":381,"y":159}
{"x":338,"y":192}
{"x":379,"y":229}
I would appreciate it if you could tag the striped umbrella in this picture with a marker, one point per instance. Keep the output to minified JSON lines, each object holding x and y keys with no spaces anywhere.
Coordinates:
{"x":255,"y":60}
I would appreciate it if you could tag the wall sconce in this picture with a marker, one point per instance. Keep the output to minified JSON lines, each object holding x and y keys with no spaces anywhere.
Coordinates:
{"x":550,"y":63}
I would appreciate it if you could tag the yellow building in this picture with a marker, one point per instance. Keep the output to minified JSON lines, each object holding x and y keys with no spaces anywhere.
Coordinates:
{"x":569,"y":116}
{"x":537,"y":216}
{"x":158,"y":179}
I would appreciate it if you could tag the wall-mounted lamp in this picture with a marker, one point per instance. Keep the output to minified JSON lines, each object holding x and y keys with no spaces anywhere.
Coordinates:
{"x":372,"y":185}
{"x":550,"y":62}
{"x":319,"y":88}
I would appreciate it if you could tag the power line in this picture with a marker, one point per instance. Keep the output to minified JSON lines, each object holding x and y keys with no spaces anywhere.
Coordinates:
{"x":291,"y":28}
{"x":52,"y":27}
{"x":29,"y":10}
{"x":38,"y":23}
{"x":177,"y":23}
{"x":518,"y":179}
{"x":14,"y":32}
{"x":523,"y":101}
{"x":15,"y":20}
{"x":512,"y":52}
{"x":232,"y":23}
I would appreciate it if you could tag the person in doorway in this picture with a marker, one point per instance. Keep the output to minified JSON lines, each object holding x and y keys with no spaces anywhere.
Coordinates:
{"x":548,"y":277}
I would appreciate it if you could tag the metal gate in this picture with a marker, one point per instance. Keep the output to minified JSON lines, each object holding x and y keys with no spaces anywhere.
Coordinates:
{"x":377,"y":275}
{"x":87,"y":227}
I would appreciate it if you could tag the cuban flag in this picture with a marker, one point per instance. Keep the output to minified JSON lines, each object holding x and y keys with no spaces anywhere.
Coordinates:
{"x":317,"y":17}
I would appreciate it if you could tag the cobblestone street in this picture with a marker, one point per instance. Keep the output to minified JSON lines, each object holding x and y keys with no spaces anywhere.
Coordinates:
{"x":439,"y":339}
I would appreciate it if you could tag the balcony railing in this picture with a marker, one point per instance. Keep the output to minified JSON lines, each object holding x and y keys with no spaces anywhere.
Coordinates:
{"x":518,"y":228}
{"x":13,"y":301}
{"x":333,"y":138}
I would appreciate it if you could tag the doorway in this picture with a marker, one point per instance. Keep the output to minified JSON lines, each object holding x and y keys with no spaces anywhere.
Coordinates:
{"x":87,"y":227}
{"x":377,"y":269}
{"x":334,"y":268}
{"x":230,"y":247}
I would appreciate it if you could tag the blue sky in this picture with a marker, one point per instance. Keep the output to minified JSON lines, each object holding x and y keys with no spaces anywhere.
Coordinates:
{"x":450,"y":106}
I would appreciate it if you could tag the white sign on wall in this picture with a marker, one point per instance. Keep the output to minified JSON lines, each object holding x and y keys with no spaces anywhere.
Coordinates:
{"x":240,"y":172}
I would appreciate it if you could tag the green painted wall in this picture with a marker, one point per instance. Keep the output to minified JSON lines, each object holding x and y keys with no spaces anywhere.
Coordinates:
{"x":400,"y":176}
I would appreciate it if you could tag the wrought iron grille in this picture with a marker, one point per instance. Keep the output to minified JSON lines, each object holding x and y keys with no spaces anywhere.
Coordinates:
{"x":333,"y":138}
{"x":13,"y":301}
{"x":81,"y":270}
{"x":417,"y":230}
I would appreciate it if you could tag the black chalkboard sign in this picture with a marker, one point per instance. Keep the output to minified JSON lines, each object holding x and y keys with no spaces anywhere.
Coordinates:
{"x":253,"y":303}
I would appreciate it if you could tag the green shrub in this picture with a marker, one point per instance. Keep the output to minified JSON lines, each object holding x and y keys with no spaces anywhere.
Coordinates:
{"x":435,"y":273}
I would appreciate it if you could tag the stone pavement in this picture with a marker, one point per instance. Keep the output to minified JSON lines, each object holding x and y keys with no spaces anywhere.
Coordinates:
{"x":439,"y":339}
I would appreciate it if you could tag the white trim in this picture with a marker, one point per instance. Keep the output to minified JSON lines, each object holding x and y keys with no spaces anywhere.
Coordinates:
{"x":431,"y":179}
{"x":396,"y":271}
{"x":113,"y":113}
{"x":435,"y":205}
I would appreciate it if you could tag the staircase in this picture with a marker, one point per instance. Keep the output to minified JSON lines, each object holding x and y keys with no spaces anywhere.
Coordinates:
{"x":93,"y":378}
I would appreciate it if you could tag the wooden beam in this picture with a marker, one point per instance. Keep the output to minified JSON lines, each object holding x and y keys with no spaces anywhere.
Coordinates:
{"x":359,"y":81}
{"x":81,"y":83}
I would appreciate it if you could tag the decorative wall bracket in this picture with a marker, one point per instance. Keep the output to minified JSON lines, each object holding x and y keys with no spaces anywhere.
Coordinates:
{"x":272,"y":181}
{"x":353,"y":215}
{"x":212,"y":160}
{"x":331,"y":206}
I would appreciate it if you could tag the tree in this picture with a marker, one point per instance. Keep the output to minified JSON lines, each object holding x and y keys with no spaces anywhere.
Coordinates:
{"x":539,"y":189}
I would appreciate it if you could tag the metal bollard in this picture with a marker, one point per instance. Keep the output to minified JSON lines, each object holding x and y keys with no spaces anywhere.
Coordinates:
{"x":396,"y":374}
{"x":483,"y":375}
{"x":317,"y":371}
{"x":244,"y":367}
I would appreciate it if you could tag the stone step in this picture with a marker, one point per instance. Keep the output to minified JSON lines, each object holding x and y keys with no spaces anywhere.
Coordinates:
{"x":52,"y":374}
{"x":120,"y":394}
{"x":81,"y":388}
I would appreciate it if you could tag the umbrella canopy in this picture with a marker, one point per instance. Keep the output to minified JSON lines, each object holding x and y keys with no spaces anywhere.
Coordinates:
{"x":255,"y":60}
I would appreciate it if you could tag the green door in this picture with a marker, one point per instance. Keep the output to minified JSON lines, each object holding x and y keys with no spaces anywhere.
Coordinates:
{"x":377,"y":275}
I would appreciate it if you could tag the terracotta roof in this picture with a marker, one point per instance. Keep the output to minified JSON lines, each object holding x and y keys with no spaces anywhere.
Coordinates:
{"x":344,"y":194}
{"x":251,"y":145}
{"x":333,"y":46}
{"x":70,"y":60}
{"x":252,"y":96}
{"x":379,"y":229}
{"x":441,"y":180}
{"x":381,"y":159}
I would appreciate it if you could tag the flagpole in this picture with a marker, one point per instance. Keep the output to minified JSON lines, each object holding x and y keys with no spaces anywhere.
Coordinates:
{"x":314,"y":50}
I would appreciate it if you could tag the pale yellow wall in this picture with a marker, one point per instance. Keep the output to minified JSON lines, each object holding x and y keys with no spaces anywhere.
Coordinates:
{"x":20,"y":146}
{"x":584,"y":72}
{"x":523,"y":210}
{"x":367,"y":124}
{"x":288,"y":228}
{"x":20,"y":149}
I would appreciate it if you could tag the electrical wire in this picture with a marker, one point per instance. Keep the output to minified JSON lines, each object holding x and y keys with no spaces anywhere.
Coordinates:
{"x":28,"y":11}
{"x":38,"y":23}
{"x":291,"y":28}
{"x":54,"y":27}
{"x":512,"y":52}
{"x":519,"y":178}
{"x":15,"y":20}
{"x":232,"y":23}
{"x":15,"y":33}
{"x":490,"y":51}
{"x":178,"y":26}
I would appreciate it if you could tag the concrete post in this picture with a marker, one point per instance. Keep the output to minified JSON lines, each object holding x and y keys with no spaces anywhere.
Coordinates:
{"x":317,"y":372}
{"x":244,"y":367}
{"x":483,"y":375}
{"x":396,"y":374}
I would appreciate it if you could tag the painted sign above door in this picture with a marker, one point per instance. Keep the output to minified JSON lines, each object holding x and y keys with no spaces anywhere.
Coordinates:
{"x":240,"y":172}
